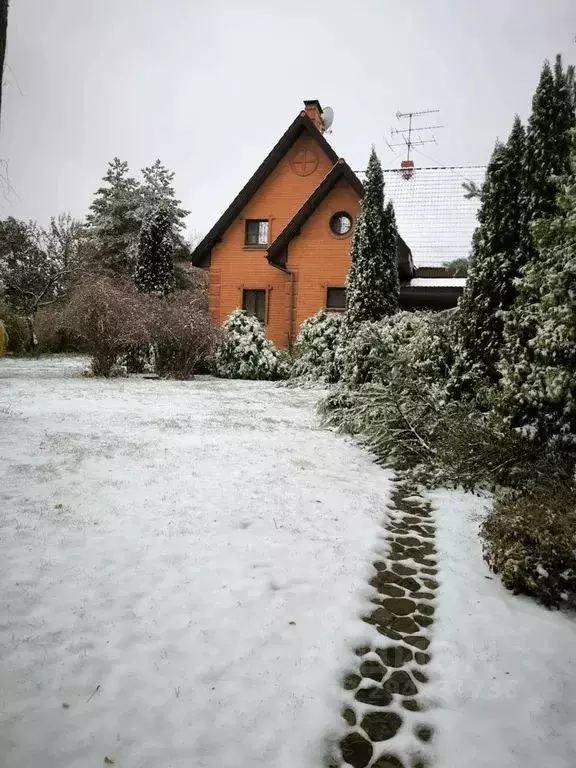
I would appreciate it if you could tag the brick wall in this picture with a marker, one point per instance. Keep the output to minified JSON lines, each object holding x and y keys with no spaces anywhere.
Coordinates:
{"x":235,"y":267}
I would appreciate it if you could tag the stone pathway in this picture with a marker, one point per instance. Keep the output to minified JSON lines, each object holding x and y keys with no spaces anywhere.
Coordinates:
{"x":384,"y":709}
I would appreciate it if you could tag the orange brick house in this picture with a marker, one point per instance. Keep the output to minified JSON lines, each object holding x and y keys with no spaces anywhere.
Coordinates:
{"x":281,"y":250}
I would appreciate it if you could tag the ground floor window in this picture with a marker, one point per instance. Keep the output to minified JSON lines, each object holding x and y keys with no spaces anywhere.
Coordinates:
{"x":336,"y":298}
{"x":254,"y":302}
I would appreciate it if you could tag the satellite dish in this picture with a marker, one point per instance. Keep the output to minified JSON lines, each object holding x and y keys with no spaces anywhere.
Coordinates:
{"x":327,"y":117}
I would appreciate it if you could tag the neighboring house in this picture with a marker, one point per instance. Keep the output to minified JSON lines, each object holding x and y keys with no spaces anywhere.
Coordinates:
{"x":281,"y":250}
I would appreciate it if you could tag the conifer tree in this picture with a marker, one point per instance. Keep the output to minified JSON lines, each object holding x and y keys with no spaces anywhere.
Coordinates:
{"x":114,"y":220}
{"x":539,"y":360}
{"x":548,"y":142}
{"x":155,"y":267}
{"x":373,"y":288}
{"x":495,"y":264}
{"x":158,"y":190}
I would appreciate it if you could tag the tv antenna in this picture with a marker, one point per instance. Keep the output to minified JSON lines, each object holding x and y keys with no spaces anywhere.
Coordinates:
{"x":408,"y":139}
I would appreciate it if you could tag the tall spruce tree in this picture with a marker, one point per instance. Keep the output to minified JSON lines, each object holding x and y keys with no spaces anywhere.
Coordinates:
{"x":539,"y":360}
{"x":158,"y":190}
{"x":548,"y":142}
{"x":373,"y":288}
{"x":115,"y":220}
{"x":155,"y":266}
{"x":495,"y":264}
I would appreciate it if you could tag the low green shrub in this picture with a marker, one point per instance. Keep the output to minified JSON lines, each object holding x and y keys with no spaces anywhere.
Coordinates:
{"x":530,"y":541}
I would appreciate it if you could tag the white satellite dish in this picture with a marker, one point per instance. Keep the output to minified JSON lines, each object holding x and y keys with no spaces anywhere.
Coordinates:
{"x":327,"y":117}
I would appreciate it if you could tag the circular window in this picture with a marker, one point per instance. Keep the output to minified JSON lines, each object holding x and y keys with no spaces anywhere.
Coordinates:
{"x":341,"y":223}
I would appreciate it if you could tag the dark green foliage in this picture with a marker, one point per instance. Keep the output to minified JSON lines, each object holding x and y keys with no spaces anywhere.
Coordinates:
{"x":530,"y":540}
{"x":495,"y":263}
{"x":548,"y":141}
{"x":155,"y":267}
{"x":539,"y":361}
{"x":372,"y":286}
{"x":115,"y":219}
{"x":316,"y":348}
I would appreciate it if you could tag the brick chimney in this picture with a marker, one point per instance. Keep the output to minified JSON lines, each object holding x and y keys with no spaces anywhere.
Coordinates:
{"x":314,"y":111}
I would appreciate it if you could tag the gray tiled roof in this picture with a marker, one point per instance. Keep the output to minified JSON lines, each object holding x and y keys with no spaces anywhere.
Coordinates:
{"x":433,"y":216}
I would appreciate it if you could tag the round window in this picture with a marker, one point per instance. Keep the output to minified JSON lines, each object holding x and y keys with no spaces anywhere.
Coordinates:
{"x":341,"y":223}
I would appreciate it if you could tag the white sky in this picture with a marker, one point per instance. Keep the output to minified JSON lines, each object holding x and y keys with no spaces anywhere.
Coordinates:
{"x":210,"y":85}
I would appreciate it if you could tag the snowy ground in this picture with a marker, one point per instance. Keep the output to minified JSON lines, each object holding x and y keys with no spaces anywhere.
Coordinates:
{"x":505,"y":667}
{"x":182,"y":567}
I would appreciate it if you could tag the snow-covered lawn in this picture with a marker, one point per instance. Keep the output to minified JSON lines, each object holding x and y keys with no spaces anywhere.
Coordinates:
{"x":506,"y":667}
{"x":182,"y":567}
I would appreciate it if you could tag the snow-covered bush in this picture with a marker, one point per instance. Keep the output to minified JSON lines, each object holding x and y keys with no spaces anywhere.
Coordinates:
{"x":530,"y":540}
{"x":420,"y":344}
{"x":316,"y":347}
{"x":244,"y":351}
{"x":407,"y":423}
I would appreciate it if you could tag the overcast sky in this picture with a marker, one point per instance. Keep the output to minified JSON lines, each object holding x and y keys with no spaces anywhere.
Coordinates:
{"x":208,"y":86}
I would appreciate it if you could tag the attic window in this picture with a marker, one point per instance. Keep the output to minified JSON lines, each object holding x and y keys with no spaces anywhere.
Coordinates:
{"x":256,"y":232}
{"x":341,"y":223}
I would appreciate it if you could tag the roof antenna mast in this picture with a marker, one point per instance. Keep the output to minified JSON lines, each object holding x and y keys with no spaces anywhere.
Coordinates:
{"x":409,"y":140}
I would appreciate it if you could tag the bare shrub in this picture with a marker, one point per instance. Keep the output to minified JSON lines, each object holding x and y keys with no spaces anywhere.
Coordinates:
{"x":530,"y":540}
{"x":52,"y":332}
{"x":108,"y":316}
{"x":16,"y":329}
{"x":184,"y":336}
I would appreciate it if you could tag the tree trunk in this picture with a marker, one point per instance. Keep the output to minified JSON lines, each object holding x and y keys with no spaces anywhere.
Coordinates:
{"x":33,"y":338}
{"x":3,"y":30}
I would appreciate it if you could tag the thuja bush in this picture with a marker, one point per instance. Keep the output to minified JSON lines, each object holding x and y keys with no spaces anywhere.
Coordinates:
{"x":244,"y":352}
{"x":316,"y":349}
{"x":530,"y":541}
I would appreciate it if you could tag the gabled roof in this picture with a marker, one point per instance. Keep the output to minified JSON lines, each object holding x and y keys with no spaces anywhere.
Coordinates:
{"x":277,"y":252}
{"x":302,"y":124}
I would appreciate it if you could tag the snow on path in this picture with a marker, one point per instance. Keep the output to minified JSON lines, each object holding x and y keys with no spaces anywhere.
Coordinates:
{"x":182,"y":569}
{"x":506,"y":667}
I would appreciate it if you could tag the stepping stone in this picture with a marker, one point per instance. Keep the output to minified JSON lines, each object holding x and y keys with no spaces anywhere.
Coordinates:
{"x":390,"y":633}
{"x":382,"y":617}
{"x":424,"y":621}
{"x":404,"y":570}
{"x":356,"y":750}
{"x":388,"y":761}
{"x":420,"y":676}
{"x":424,"y":732}
{"x":372,"y":669}
{"x":427,"y":610}
{"x":395,"y":655}
{"x":421,"y":658}
{"x":409,"y":541}
{"x":405,"y":624}
{"x":377,"y":697}
{"x":362,"y":650}
{"x":392,"y":590}
{"x":412,"y":705}
{"x":400,"y":682}
{"x":351,"y":681}
{"x":380,"y":565}
{"x":381,"y":726}
{"x":349,"y":715}
{"x":400,"y":606}
{"x":430,"y":583}
{"x":418,"y":642}
{"x":423,"y":595}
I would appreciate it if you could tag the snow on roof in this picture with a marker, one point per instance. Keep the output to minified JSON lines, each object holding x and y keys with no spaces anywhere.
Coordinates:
{"x":433,"y":216}
{"x":438,"y":282}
